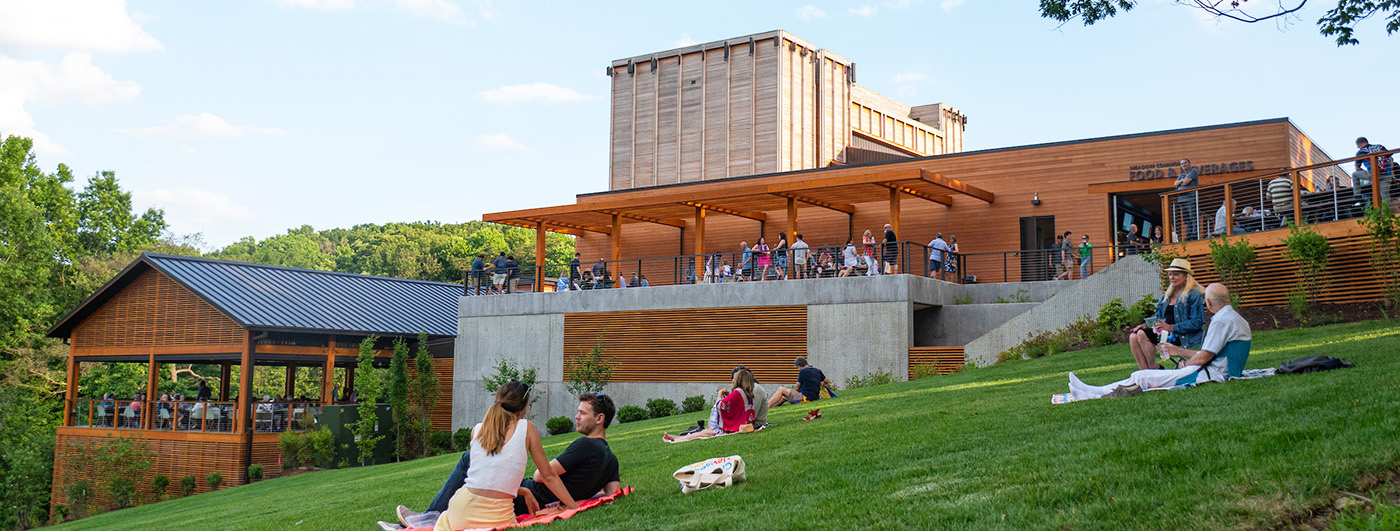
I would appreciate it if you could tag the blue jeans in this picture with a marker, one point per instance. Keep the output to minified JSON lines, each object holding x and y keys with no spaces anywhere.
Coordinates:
{"x":1084,"y":268}
{"x":454,"y":482}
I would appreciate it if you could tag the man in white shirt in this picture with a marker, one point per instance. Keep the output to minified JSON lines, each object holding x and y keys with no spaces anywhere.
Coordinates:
{"x":937,"y":254}
{"x":799,"y":256}
{"x":848,"y":259}
{"x":1204,"y":365}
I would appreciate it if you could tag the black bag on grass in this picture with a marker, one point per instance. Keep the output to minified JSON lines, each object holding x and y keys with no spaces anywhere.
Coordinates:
{"x":1313,"y":364}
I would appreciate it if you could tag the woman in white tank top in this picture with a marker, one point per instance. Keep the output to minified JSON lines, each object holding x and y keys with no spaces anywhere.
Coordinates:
{"x":498,"y":449}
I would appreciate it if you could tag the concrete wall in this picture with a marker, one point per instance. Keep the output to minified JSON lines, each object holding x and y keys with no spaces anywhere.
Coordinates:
{"x":1128,"y":279}
{"x":845,"y":340}
{"x":947,"y":326}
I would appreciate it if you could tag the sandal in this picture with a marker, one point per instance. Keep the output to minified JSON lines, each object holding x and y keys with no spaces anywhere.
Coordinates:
{"x":813,"y":414}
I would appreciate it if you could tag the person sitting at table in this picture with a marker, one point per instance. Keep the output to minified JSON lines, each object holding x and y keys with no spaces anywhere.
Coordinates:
{"x":166,"y":408}
{"x":108,"y":407}
{"x":1220,"y":219}
{"x":1281,"y":196}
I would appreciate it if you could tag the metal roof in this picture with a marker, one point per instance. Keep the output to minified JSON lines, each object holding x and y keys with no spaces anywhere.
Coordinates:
{"x":262,"y":297}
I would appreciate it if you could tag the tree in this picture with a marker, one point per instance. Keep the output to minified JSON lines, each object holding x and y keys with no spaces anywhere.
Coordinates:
{"x":368,"y":384}
{"x":424,"y":392}
{"x":398,"y":395}
{"x":590,"y":371}
{"x":1339,"y":21}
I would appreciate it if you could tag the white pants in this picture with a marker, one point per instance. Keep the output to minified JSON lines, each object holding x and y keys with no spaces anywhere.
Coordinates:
{"x":871,"y":267}
{"x":1146,"y":379}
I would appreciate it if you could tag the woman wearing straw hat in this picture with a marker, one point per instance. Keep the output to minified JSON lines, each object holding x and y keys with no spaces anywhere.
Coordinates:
{"x":1180,"y":317}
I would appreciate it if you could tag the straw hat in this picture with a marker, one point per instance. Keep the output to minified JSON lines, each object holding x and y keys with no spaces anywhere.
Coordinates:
{"x":1180,"y":264}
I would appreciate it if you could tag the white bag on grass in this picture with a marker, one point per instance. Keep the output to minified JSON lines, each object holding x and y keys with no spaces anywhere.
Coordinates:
{"x":719,"y":471}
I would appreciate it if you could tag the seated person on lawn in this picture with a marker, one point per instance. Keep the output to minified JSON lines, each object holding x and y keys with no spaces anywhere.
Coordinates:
{"x":729,"y":413}
{"x":1222,"y":356}
{"x":1180,"y":317}
{"x":809,"y":385}
{"x":587,"y":468}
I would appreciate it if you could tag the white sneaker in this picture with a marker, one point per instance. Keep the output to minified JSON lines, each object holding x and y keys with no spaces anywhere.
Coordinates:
{"x":386,"y":526}
{"x":404,"y":513}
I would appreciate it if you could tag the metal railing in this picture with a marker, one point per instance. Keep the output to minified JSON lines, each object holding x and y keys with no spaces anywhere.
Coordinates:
{"x":1313,"y":194}
{"x":155,"y":415}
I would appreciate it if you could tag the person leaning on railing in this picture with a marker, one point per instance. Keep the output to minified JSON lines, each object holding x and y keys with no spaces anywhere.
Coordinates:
{"x":1384,"y":169}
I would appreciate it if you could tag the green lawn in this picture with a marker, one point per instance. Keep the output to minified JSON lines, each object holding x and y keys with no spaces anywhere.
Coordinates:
{"x":979,"y":449}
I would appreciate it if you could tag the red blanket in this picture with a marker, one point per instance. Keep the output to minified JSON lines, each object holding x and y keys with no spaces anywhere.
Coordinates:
{"x":532,"y":519}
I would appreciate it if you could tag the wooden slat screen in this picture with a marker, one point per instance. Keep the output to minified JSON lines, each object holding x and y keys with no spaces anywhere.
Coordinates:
{"x":692,"y":345}
{"x":174,"y":458}
{"x":155,"y":311}
{"x":944,"y":360}
{"x":1349,"y":274}
{"x":267,"y":454}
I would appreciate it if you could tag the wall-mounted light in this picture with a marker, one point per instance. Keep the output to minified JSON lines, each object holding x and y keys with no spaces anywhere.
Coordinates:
{"x":1035,"y":200}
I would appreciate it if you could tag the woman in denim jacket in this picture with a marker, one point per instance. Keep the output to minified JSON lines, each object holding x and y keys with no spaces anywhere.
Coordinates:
{"x":1180,"y":314}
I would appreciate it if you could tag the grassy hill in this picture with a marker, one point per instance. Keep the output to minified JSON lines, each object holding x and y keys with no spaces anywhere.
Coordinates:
{"x":979,"y":449}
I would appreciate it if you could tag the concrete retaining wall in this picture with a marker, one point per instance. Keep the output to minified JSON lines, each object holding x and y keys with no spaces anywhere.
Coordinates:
{"x":1129,"y":279}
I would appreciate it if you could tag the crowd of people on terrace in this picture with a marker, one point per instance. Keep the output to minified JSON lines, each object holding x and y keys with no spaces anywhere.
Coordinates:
{"x":177,"y":411}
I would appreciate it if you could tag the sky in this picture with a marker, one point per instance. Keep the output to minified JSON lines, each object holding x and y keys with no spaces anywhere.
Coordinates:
{"x":254,"y":117}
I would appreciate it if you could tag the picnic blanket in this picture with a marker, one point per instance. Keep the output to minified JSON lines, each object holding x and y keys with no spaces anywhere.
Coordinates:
{"x":760,"y":428}
{"x":532,"y":519}
{"x":1248,"y":374}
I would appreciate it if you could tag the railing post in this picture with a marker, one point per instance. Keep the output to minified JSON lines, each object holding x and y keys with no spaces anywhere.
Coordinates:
{"x":1375,"y":182}
{"x":1298,"y":197}
{"x":1005,"y":275}
{"x":1229,"y":213}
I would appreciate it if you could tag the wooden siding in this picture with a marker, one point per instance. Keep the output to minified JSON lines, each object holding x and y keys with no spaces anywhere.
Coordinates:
{"x":1060,"y":174}
{"x":267,"y":454}
{"x":1348,"y":277}
{"x":155,"y":311}
{"x":944,"y":360}
{"x":177,"y":455}
{"x":441,"y":415}
{"x":693,"y":345}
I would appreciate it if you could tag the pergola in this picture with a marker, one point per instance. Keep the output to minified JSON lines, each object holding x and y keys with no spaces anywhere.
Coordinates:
{"x":836,"y":189}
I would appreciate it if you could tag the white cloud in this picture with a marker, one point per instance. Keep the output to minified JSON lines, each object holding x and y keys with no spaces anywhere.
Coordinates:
{"x":443,"y":10}
{"x":685,"y":40}
{"x":320,"y":5}
{"x":810,"y":12}
{"x":909,"y":77}
{"x":532,"y":92}
{"x":72,"y":79}
{"x":73,"y":25}
{"x":949,"y":5}
{"x":863,"y":11}
{"x":202,"y":125}
{"x":904,"y":4}
{"x":184,"y":206}
{"x":499,"y":141}
{"x":908,"y":82}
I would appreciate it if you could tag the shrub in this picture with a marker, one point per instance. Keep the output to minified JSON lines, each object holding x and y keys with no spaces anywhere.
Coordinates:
{"x":1082,"y":330}
{"x":422,"y":397}
{"x":925,"y":370}
{"x":1383,"y":232}
{"x":879,"y":377}
{"x":966,"y":299}
{"x":1235,"y":264}
{"x":120,"y":461}
{"x":1008,"y":355}
{"x":631,"y":414}
{"x":1298,"y":304}
{"x":462,"y":439}
{"x":79,"y":494}
{"x":1114,"y":315}
{"x":188,"y":484}
{"x":293,"y":447}
{"x":559,"y":425}
{"x":369,"y":385}
{"x":1309,"y":252}
{"x":692,"y":404}
{"x":590,"y":371}
{"x":60,"y":513}
{"x":1101,"y":336}
{"x":508,"y":369}
{"x":440,"y":441}
{"x":320,"y":447}
{"x":344,"y":463}
{"x":255,"y":472}
{"x":214,"y":479}
{"x":1143,"y":308}
{"x":1020,"y":296}
{"x":159,"y":483}
{"x":660,"y":407}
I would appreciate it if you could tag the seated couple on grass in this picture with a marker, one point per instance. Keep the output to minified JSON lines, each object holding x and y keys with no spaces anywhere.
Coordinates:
{"x":734,"y":409}
{"x":485,"y":489}
{"x":1222,"y":356}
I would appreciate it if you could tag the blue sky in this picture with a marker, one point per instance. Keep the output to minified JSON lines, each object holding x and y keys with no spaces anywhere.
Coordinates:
{"x":250,"y":118}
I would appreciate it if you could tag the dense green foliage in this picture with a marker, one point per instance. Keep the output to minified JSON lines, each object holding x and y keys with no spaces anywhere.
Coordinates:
{"x":1309,"y":252}
{"x":559,"y":425}
{"x":1234,"y":262}
{"x":660,"y":407}
{"x":398,"y":398}
{"x":1339,"y":21}
{"x":953,"y":452}
{"x":693,"y":403}
{"x":631,"y":414}
{"x":1383,"y":232}
{"x":590,"y":371}
{"x":422,"y":398}
{"x":369,"y":385}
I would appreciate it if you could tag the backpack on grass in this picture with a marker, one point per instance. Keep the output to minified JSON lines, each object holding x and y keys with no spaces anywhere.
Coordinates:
{"x":1313,"y":364}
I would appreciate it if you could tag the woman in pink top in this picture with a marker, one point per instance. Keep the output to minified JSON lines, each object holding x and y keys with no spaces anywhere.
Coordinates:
{"x":764,"y":261}
{"x":733,"y":410}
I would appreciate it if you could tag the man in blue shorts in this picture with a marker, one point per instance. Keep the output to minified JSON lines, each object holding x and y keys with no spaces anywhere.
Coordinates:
{"x":809,"y":385}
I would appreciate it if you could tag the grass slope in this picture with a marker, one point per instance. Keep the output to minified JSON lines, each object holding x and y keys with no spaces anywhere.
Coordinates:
{"x":979,"y":449}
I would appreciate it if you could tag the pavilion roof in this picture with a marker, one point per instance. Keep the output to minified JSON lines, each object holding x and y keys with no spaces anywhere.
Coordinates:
{"x":261,"y":297}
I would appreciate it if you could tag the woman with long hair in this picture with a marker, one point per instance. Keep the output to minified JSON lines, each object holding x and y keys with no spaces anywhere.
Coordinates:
{"x":733,"y":410}
{"x":950,"y":264}
{"x":1180,"y":317}
{"x":780,"y":256}
{"x":872,"y":267}
{"x":499,"y":445}
{"x":765,"y":261}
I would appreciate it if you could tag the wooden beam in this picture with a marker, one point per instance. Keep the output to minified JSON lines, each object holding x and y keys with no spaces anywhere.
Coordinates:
{"x":554,"y":226}
{"x":70,"y":391}
{"x":699,"y":231}
{"x":289,"y":387}
{"x":152,"y":387}
{"x":791,"y":219}
{"x":245,"y":383}
{"x":839,"y":207}
{"x":756,"y":216}
{"x":225,"y":376}
{"x":677,"y":223}
{"x":616,"y":239}
{"x":957,"y":186}
{"x":894,"y":210}
{"x":940,"y":199}
{"x":328,"y":372}
{"x":539,"y":257}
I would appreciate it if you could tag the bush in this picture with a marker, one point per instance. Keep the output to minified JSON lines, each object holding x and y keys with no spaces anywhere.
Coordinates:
{"x":60,"y":513}
{"x":255,"y":472}
{"x":660,"y":407}
{"x":879,"y":377}
{"x":631,"y":414}
{"x":1309,"y":251}
{"x":692,"y":404}
{"x":1383,"y":231}
{"x":1101,"y":336}
{"x":1234,"y":262}
{"x":440,"y":441}
{"x":966,"y":299}
{"x":1008,"y":355}
{"x":590,"y":371}
{"x":188,"y":484}
{"x":214,"y":479}
{"x":462,"y":439}
{"x":159,"y":483}
{"x":1143,"y":308}
{"x":1114,"y":315}
{"x":925,"y":370}
{"x":293,"y":447}
{"x":507,"y":370}
{"x":79,"y":494}
{"x":320,"y":447}
{"x":1298,"y":304}
{"x":559,"y":425}
{"x":1081,"y":330}
{"x":1020,"y":296}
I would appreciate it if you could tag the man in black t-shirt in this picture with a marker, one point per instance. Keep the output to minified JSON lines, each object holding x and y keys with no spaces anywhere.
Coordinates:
{"x":587,"y":468}
{"x":573,"y":268}
{"x":809,"y":385}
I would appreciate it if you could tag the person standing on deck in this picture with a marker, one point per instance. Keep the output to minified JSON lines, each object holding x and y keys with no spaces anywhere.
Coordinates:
{"x":1189,"y":178}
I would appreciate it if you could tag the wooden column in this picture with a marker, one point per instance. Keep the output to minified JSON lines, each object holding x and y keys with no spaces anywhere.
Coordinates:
{"x":1297,"y":200}
{"x":1375,"y":183}
{"x":152,"y":385}
{"x":225,"y":375}
{"x":894,"y":210}
{"x":1229,"y":213}
{"x":245,"y":383}
{"x":291,"y":383}
{"x":699,"y":235}
{"x":539,"y":257}
{"x":1166,"y":222}
{"x":791,"y":235}
{"x":616,"y":242}
{"x":328,"y":373}
{"x":70,"y":391}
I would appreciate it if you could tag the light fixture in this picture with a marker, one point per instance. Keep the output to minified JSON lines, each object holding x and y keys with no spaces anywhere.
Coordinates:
{"x":1036,"y":199}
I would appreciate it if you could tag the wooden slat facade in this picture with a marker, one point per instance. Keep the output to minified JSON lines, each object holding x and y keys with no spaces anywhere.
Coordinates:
{"x":441,"y":415}
{"x":944,"y":360}
{"x":692,"y":345}
{"x":177,"y":454}
{"x":155,"y":311}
